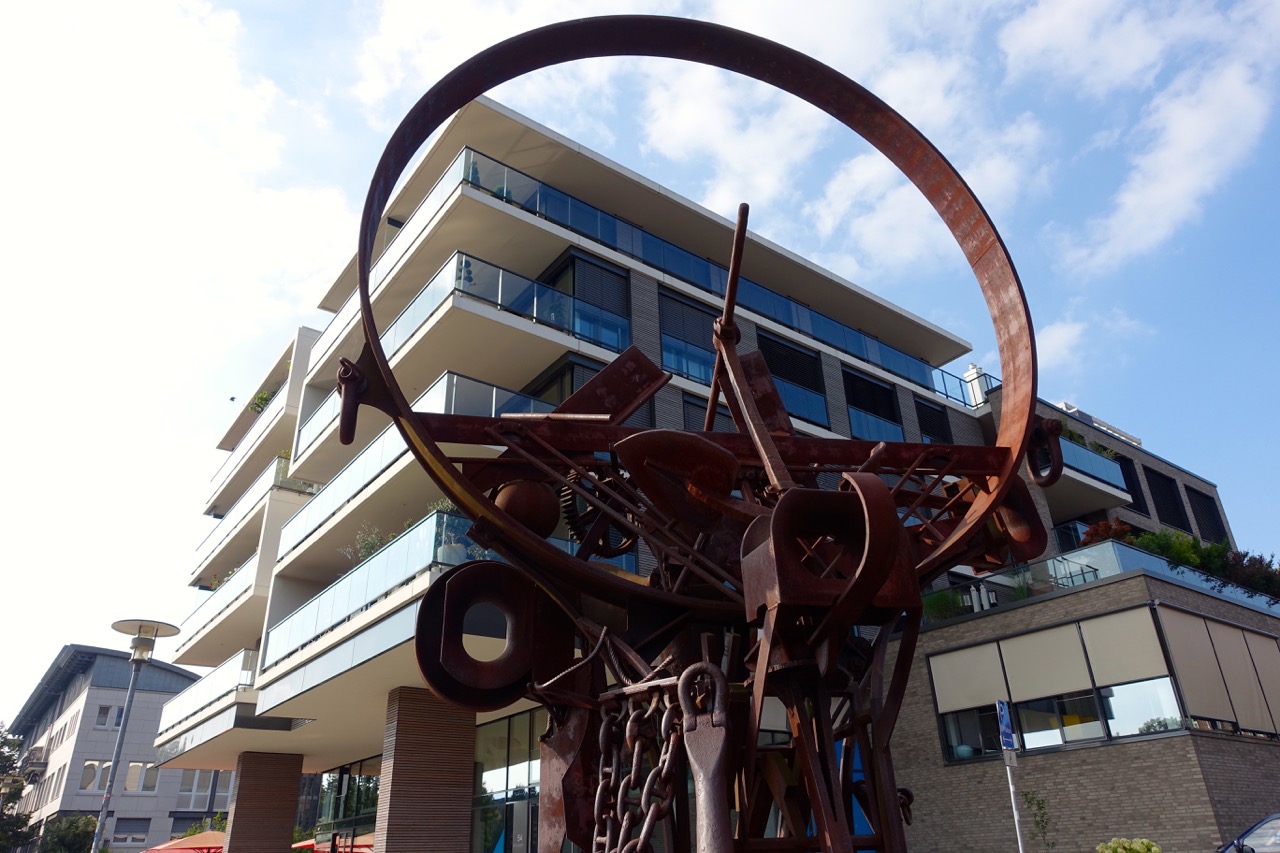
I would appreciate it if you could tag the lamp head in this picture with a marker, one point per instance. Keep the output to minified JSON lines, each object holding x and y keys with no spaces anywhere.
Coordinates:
{"x":145,"y":632}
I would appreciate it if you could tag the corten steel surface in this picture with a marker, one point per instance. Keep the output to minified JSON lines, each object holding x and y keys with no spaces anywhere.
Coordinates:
{"x":762,"y":575}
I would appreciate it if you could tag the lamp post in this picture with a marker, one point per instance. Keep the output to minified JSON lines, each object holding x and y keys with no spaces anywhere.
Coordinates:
{"x":144,"y":632}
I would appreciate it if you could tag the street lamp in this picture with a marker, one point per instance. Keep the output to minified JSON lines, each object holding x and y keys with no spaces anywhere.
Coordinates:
{"x":144,"y":632}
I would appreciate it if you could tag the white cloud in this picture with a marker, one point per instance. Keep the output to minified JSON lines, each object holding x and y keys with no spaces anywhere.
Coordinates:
{"x":1200,"y":129}
{"x":1098,"y":45}
{"x":150,"y":262}
{"x":1059,"y":343}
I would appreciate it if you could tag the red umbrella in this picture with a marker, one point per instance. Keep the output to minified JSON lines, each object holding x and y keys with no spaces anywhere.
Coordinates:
{"x":209,"y":841}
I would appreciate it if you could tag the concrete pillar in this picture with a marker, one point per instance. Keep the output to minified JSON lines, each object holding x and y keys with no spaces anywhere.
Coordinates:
{"x":264,"y":802}
{"x":428,"y":760}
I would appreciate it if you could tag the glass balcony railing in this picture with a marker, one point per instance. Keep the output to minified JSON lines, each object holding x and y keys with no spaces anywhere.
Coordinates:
{"x":1082,"y":566}
{"x":688,"y":360}
{"x":400,"y":243}
{"x":802,"y":402}
{"x":536,"y":197}
{"x":869,"y":427}
{"x":438,"y":540}
{"x":219,"y":599}
{"x":451,"y":394}
{"x":233,"y":674}
{"x":1080,"y":458}
{"x":275,"y":475}
{"x":265,"y":418}
{"x":485,"y":281}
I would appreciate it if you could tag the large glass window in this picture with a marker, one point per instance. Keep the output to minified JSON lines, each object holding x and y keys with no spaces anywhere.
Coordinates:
{"x":1056,"y":720}
{"x":797,"y":374}
{"x":505,"y":807}
{"x":873,"y":408}
{"x":971,"y":734}
{"x":686,"y":338}
{"x":1141,"y":708}
{"x":349,"y":799}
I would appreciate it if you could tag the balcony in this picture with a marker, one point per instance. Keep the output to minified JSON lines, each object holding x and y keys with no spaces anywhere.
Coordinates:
{"x":869,"y":427}
{"x":1000,"y":590}
{"x":275,"y":475}
{"x":233,"y":677}
{"x":1080,"y":458}
{"x":230,"y":475}
{"x":451,"y":394}
{"x":438,"y":541}
{"x":489,"y":283}
{"x":33,"y":765}
{"x":517,"y":188}
{"x":219,"y":600}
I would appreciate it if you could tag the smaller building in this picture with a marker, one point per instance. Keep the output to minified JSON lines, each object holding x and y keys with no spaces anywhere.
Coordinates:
{"x":69,"y":727}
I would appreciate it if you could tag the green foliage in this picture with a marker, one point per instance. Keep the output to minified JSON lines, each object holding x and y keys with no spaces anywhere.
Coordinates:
{"x":68,"y":834}
{"x":1159,"y":724}
{"x":1040,"y":820}
{"x":261,"y":400}
{"x":218,"y":824}
{"x":1102,"y":450}
{"x":369,"y":540}
{"x":1127,"y":845}
{"x":15,"y":828}
{"x":1175,"y":547}
{"x":303,"y":833}
{"x":943,"y":604}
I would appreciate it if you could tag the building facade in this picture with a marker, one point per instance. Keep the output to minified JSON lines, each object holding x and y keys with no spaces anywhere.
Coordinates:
{"x":69,"y":727}
{"x":513,"y":264}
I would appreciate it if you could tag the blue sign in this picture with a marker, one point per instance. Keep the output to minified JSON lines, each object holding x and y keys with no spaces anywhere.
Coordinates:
{"x":1006,"y":725}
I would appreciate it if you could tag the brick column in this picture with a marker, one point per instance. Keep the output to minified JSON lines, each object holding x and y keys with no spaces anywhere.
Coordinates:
{"x":264,"y":802}
{"x":424,"y":790}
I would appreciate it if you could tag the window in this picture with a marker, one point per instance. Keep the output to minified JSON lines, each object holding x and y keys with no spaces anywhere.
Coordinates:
{"x":873,"y":408}
{"x":104,"y":714}
{"x":1208,"y":519}
{"x":131,"y":830}
{"x":1141,"y":708}
{"x":93,"y":776}
{"x":1132,"y":485}
{"x":934,"y":425}
{"x":1059,"y":719}
{"x":797,"y":374}
{"x":1167,"y":499}
{"x":141,"y":776}
{"x":601,"y":297}
{"x":971,"y":734}
{"x":695,"y":416}
{"x":687,"y":348}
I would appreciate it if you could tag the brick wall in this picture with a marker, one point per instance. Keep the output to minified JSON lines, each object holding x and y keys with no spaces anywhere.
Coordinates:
{"x":1243,"y":779}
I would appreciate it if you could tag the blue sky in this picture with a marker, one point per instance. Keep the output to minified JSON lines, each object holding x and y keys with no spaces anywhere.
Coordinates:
{"x":182,"y":180}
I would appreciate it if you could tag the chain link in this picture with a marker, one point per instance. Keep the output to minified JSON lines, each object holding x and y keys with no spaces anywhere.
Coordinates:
{"x":629,"y":801}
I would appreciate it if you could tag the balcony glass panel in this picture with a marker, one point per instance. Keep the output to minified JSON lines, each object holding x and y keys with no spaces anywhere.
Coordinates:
{"x":871,"y":427}
{"x":274,"y":475}
{"x":1082,"y":459}
{"x":591,"y":222}
{"x":316,"y":423}
{"x":450,"y":394}
{"x":265,"y":418}
{"x":400,"y":243}
{"x":687,"y":359}
{"x":802,"y":402}
{"x":219,"y":599}
{"x":438,"y":540}
{"x":1085,"y":565}
{"x":234,"y":673}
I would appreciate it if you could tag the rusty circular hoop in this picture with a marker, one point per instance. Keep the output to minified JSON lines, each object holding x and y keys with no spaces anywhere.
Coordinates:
{"x":785,"y":69}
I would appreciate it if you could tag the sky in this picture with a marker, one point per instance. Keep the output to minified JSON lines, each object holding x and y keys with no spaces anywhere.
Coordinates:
{"x":182,"y":180}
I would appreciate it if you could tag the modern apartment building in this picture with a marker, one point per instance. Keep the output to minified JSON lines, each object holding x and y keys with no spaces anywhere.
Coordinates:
{"x":513,"y":265}
{"x":69,"y":726}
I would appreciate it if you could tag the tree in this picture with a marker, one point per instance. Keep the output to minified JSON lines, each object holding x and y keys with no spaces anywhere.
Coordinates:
{"x":69,"y":834}
{"x":15,"y":829}
{"x":218,"y":823}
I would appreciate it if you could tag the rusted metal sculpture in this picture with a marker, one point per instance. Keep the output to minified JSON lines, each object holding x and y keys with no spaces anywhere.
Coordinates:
{"x":762,"y":576}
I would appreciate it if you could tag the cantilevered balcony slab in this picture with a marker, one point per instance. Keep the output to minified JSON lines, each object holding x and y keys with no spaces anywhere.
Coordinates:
{"x":1090,"y":482}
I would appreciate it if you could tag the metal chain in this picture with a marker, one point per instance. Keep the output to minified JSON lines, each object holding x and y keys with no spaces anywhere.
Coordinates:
{"x":628,"y":801}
